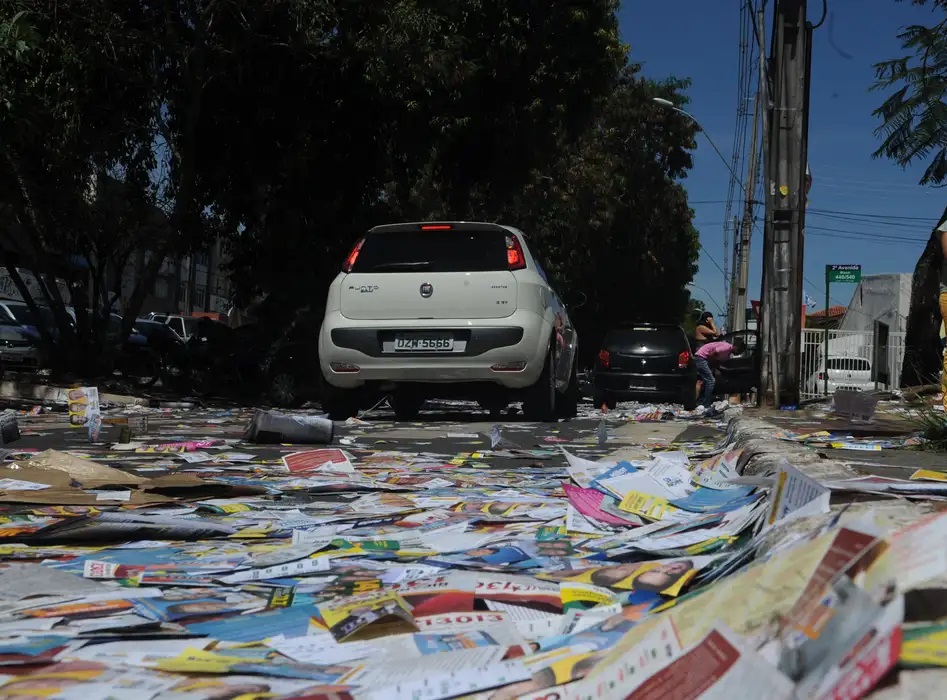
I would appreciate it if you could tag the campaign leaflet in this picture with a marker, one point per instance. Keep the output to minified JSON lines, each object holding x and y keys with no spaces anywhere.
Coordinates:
{"x":85,"y":679}
{"x":520,"y":590}
{"x":172,"y":608}
{"x":83,"y":405}
{"x":385,"y":612}
{"x":432,"y":595}
{"x":583,"y":596}
{"x":667,"y":576}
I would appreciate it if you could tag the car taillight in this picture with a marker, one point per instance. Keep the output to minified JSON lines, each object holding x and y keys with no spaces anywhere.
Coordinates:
{"x":604,"y":359}
{"x":514,"y":254}
{"x":436,"y":227}
{"x":353,"y":256}
{"x":683,"y":359}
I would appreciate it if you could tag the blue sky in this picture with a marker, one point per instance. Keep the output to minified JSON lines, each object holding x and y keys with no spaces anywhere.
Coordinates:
{"x":699,"y":40}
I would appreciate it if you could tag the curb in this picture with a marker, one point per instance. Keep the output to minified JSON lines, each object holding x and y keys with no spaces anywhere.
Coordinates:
{"x":762,"y":454}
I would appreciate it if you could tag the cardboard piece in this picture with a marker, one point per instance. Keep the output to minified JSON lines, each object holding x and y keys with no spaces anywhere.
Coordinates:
{"x":85,"y":472}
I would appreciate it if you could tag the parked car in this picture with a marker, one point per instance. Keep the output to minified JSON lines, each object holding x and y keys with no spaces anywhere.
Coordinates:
{"x":170,"y":352}
{"x":438,"y":309}
{"x":741,"y":373}
{"x":182,"y":325}
{"x":19,"y":313}
{"x":645,"y":362}
{"x":19,"y":350}
{"x":847,"y":373}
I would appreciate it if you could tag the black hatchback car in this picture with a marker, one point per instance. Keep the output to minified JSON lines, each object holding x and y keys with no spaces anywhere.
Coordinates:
{"x":645,"y":362}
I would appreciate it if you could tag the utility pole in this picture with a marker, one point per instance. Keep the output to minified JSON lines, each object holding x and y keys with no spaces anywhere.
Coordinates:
{"x":741,"y":265}
{"x":786,"y":155}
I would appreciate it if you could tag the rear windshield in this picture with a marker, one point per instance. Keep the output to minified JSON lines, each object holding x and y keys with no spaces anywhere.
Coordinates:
{"x":23,"y":314}
{"x":849,"y":364}
{"x":657,"y":338}
{"x":433,"y":251}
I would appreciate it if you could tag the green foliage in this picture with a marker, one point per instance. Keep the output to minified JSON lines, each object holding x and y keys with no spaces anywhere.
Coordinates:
{"x":611,"y":216}
{"x":932,"y":425}
{"x":914,"y":115}
{"x":914,"y":129}
{"x":292,"y":125}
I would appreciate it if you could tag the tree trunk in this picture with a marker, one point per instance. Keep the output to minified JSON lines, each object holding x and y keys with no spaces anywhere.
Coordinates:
{"x":922,"y":357}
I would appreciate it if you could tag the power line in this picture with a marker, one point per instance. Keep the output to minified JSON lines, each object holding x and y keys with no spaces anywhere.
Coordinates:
{"x":868,"y":215}
{"x":712,"y":259}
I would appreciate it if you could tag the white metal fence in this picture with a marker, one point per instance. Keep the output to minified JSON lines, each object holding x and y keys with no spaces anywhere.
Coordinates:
{"x":847,"y":344}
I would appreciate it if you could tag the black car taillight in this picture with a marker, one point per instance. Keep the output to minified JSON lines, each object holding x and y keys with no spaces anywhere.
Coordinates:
{"x":683,"y":359}
{"x":604,"y":359}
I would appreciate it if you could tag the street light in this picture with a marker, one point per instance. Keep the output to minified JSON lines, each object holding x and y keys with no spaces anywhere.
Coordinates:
{"x":670,"y":105}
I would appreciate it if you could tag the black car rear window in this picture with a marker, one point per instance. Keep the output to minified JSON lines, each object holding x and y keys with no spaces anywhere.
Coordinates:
{"x":659,"y":338}
{"x":433,"y":251}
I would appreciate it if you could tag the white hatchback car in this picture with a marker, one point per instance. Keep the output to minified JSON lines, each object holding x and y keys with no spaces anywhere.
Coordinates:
{"x":446,"y":310}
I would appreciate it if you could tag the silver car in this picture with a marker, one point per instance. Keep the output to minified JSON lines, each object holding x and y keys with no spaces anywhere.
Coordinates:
{"x":18,"y":351}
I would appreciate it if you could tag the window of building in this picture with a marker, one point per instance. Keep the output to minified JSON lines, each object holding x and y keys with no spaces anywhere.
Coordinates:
{"x":200,"y":296}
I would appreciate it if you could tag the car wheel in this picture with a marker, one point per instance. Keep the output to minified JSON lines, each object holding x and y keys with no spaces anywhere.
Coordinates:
{"x":540,"y":401}
{"x":284,"y":390}
{"x":599,"y":400}
{"x":202,"y":384}
{"x":689,"y":398}
{"x":567,"y":405}
{"x":406,"y":406}
{"x":340,"y":405}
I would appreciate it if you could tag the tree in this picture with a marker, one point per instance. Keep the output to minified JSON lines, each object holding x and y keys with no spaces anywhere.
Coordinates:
{"x":408,"y":111}
{"x":610,"y":215}
{"x":914,"y":128}
{"x":75,"y":109}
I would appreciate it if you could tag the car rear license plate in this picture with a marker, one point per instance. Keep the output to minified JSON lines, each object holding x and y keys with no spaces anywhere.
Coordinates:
{"x":424,"y":343}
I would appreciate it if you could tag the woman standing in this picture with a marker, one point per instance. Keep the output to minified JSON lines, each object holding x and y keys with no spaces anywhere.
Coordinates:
{"x":706,"y":330}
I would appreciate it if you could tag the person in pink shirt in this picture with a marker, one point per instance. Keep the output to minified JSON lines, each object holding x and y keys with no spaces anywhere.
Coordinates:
{"x":710,"y":356}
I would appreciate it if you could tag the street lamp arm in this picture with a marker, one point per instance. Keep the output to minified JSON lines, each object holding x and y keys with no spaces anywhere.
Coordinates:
{"x":670,"y":105}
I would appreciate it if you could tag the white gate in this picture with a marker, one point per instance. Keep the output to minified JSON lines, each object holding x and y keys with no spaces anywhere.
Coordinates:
{"x":844,"y":344}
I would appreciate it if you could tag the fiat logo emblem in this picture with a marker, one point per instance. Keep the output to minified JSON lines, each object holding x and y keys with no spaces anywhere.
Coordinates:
{"x":427,"y":289}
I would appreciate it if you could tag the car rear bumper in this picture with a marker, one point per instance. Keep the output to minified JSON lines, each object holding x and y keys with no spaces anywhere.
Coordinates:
{"x":651,"y":387}
{"x":481,"y":348}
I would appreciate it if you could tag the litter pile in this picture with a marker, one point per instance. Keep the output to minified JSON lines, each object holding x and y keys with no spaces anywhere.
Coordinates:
{"x":187,"y":563}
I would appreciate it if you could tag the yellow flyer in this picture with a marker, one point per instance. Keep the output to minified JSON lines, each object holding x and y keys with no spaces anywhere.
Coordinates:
{"x":367,"y":615}
{"x":668,"y":576}
{"x":646,"y":505}
{"x":583,"y":596}
{"x":929,"y":475}
{"x":194,"y":660}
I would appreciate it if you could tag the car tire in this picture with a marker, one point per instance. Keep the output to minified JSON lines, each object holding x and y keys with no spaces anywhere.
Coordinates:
{"x":604,"y":399}
{"x":539,"y":404}
{"x":339,"y":404}
{"x":284,"y":391}
{"x":689,"y":399}
{"x":567,"y":405}
{"x":406,"y":406}
{"x":202,"y":383}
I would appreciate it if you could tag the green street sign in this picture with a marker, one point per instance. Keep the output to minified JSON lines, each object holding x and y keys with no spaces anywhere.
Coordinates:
{"x":845,"y":274}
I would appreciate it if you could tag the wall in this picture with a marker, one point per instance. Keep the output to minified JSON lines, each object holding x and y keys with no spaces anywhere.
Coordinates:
{"x":884,"y":298}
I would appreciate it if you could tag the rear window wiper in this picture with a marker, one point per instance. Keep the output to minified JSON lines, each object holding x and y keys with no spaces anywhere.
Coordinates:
{"x":401,"y":265}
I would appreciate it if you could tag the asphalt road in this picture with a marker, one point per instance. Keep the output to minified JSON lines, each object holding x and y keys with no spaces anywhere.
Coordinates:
{"x":448,"y":428}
